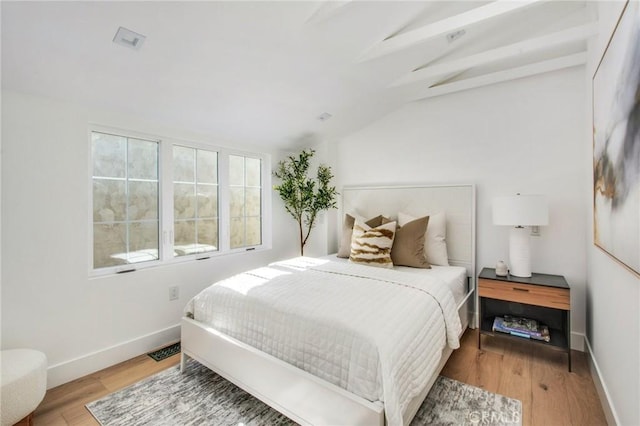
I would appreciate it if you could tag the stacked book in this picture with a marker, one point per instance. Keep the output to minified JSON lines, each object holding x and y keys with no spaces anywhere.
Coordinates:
{"x":522,"y":327}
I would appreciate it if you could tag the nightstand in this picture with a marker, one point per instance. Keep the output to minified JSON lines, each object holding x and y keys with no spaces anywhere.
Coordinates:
{"x":542,"y":297}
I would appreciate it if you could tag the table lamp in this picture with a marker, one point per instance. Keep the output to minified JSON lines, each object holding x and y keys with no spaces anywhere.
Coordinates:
{"x":520,"y":211}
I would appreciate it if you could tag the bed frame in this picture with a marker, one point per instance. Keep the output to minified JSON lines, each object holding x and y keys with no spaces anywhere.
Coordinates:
{"x":299,"y":395}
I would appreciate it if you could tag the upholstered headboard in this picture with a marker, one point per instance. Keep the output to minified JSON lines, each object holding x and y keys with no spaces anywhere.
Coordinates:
{"x":457,"y":201}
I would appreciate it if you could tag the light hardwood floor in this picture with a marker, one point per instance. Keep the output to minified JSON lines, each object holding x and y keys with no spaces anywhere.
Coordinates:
{"x":535,"y":375}
{"x":532,"y":373}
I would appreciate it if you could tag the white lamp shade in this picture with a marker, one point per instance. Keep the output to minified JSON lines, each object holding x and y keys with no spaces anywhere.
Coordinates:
{"x":521,"y":210}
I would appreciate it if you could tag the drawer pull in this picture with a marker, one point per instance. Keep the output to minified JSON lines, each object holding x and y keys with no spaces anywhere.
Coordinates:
{"x":521,"y":289}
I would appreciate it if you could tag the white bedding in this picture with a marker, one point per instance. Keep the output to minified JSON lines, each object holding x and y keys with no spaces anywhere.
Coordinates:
{"x":374,"y":332}
{"x":455,"y":277}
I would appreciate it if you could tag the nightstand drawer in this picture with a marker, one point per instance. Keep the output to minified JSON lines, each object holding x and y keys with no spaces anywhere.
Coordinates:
{"x":550,"y":297}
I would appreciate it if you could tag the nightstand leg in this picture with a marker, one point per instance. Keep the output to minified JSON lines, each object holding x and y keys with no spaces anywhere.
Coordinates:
{"x":568,"y":331}
{"x":479,"y":338}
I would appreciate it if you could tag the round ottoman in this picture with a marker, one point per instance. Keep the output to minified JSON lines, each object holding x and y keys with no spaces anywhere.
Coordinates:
{"x":23,"y":381}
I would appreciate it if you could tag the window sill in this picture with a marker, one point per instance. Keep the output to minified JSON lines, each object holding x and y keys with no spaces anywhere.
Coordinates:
{"x":127,"y":269}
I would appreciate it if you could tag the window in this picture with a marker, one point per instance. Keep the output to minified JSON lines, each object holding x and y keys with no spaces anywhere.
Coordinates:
{"x":245,"y":186}
{"x":125,"y":200}
{"x":195,"y":201}
{"x":158,"y":201}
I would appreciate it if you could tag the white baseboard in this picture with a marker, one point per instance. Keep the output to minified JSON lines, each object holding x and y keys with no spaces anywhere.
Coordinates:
{"x":73,"y":369}
{"x":601,"y":387}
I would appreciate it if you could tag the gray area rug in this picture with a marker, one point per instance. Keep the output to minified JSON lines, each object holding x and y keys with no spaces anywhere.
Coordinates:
{"x":201,"y":397}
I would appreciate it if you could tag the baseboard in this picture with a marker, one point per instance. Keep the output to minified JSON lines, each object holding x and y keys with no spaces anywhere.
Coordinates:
{"x":70,"y":370}
{"x":601,"y":387}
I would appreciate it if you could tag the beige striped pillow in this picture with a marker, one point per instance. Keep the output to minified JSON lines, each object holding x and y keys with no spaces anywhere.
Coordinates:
{"x":372,"y":246}
{"x":347,"y":231}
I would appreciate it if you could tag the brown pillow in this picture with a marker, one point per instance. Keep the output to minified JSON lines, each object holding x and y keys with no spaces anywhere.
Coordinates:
{"x":408,"y":246}
{"x":347,"y":230}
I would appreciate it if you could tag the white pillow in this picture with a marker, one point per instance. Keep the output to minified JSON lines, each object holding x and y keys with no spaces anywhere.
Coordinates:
{"x":372,"y":246}
{"x":435,"y":241}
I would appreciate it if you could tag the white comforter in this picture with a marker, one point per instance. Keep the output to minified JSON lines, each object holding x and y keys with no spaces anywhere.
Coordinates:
{"x":377,"y":333}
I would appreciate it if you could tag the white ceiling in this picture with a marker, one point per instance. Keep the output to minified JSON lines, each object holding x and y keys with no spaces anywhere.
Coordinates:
{"x":262,"y":72}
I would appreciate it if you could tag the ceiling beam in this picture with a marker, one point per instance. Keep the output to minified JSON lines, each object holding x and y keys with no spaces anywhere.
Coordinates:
{"x":501,"y":76}
{"x":546,"y":42}
{"x":410,"y":38}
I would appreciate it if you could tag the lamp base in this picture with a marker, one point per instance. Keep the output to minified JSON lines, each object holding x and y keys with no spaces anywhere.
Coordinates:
{"x":519,"y":252}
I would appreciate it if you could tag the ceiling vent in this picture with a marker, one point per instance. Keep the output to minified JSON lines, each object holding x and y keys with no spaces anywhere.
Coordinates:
{"x":324,"y":116}
{"x":451,"y":37}
{"x":128,"y":38}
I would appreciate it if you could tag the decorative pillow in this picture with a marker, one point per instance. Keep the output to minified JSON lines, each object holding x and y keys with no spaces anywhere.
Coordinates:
{"x":347,"y":228}
{"x":372,"y":246}
{"x":435,"y":241}
{"x":408,"y":245}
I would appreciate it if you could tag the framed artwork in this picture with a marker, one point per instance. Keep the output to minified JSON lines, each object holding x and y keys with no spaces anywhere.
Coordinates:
{"x":616,"y":143}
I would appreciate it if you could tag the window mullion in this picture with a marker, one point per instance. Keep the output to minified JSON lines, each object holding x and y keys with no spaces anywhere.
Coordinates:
{"x":265,"y":202}
{"x":195,"y":190}
{"x":224,"y":221}
{"x":127,"y":226}
{"x":166,"y":200}
{"x":244,"y":196}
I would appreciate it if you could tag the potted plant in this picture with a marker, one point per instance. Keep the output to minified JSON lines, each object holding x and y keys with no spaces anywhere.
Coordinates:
{"x":305,"y":197}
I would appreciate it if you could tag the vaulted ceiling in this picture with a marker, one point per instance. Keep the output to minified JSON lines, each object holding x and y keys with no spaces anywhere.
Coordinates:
{"x":264,"y":72}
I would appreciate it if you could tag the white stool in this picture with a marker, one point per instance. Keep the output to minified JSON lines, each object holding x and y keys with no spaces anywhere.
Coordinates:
{"x":24,"y":383}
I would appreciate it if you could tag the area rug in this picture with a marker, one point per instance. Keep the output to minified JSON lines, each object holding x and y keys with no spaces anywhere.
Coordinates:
{"x":201,"y":397}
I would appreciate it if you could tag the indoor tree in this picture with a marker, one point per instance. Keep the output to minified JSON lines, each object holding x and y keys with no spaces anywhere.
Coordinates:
{"x":305,"y":197}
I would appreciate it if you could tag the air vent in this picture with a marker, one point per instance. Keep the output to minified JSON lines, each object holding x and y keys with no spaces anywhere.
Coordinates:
{"x":451,"y":37}
{"x":128,"y":38}
{"x":324,"y":116}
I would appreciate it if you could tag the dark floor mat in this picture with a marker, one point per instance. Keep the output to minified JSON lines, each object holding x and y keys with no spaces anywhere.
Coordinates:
{"x":165,"y":352}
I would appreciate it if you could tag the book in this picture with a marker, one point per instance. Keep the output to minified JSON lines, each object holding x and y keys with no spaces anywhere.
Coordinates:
{"x":519,"y":334}
{"x":520,"y":323}
{"x":540,"y":333}
{"x":522,"y":327}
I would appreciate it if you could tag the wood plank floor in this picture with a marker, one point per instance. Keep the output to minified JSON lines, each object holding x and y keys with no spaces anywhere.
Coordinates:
{"x":535,"y":375}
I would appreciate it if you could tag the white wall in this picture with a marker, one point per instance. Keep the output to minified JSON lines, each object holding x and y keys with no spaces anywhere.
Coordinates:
{"x":48,"y":301}
{"x":522,"y":136}
{"x":613,"y":292}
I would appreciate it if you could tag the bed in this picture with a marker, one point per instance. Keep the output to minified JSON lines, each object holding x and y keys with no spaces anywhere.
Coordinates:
{"x":333,"y":360}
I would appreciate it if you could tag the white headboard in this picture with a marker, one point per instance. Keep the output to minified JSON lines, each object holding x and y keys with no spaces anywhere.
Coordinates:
{"x":457,"y":201}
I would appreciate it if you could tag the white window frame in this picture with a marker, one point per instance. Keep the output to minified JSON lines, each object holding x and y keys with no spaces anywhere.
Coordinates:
{"x":165,"y":202}
{"x":168,"y":225}
{"x":227,"y":188}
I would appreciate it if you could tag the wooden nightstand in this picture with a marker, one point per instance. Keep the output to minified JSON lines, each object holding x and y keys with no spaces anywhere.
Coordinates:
{"x":544,"y":298}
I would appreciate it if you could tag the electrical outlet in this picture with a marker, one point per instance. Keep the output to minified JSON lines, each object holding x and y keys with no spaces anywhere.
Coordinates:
{"x":535,"y":231}
{"x":174,"y":293}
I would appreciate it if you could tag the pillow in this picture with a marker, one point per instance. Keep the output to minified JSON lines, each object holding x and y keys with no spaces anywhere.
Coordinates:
{"x":347,"y":227}
{"x":435,"y":241}
{"x":372,"y":246}
{"x":408,"y":244}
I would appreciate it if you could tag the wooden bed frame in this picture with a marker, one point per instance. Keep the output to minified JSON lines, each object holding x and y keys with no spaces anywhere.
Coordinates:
{"x":301,"y":396}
